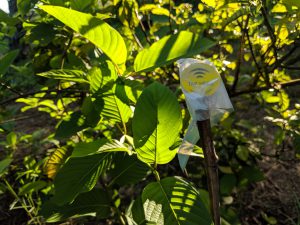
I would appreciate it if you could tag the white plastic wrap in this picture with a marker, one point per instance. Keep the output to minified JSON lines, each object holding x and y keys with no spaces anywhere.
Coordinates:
{"x":206,"y":98}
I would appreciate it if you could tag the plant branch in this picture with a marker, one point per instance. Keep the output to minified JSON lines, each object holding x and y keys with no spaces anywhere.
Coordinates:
{"x":69,"y":91}
{"x":256,"y":78}
{"x":143,"y":27}
{"x":64,"y":54}
{"x":240,"y":53}
{"x":290,"y":67}
{"x":283,"y":58}
{"x":277,"y":86}
{"x":10,"y":88}
{"x":211,"y":167}
{"x":170,"y":21}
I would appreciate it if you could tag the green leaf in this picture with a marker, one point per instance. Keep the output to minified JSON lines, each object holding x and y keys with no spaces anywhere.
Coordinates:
{"x":7,"y":60}
{"x":102,"y":79}
{"x":110,"y":94}
{"x":242,"y":152}
{"x":79,"y":175}
{"x":156,"y":124}
{"x":83,"y":149}
{"x":11,"y":139}
{"x":25,"y":5}
{"x":227,"y":183}
{"x":135,"y":214}
{"x":32,"y":186}
{"x":4,"y":164}
{"x":174,"y":201}
{"x":94,"y":29}
{"x":94,"y":202}
{"x":114,"y":146}
{"x":99,"y":146}
{"x":55,"y":161}
{"x":4,"y":17}
{"x":90,"y":111}
{"x":250,"y":174}
{"x":169,"y":49}
{"x":133,"y":89}
{"x":80,"y":4}
{"x":71,"y":125}
{"x":128,"y":170}
{"x":291,"y":3}
{"x":63,"y":74}
{"x":114,"y":107}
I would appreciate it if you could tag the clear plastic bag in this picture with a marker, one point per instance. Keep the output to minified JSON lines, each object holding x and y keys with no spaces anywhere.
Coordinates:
{"x":206,"y":98}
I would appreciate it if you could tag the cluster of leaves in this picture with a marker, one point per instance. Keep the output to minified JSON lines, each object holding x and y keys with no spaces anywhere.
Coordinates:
{"x":105,"y":72}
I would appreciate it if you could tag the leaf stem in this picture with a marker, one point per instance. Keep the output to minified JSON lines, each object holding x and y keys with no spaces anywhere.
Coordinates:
{"x":156,"y":175}
{"x":11,"y":190}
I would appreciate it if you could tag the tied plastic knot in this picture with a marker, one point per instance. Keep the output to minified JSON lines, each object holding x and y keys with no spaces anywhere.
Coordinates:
{"x":206,"y":98}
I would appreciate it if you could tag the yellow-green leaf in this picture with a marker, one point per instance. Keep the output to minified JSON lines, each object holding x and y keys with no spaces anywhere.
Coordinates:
{"x":94,"y":29}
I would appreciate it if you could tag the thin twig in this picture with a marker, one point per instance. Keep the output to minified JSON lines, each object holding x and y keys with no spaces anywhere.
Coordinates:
{"x":256,"y":78}
{"x":170,"y":21}
{"x":143,"y":28}
{"x":64,"y":54}
{"x":239,"y":59}
{"x":282,"y":59}
{"x":290,"y":67}
{"x":69,"y":91}
{"x":10,"y":88}
{"x":277,"y":86}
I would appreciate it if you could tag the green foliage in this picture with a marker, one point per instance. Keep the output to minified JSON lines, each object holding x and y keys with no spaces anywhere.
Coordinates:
{"x":67,"y":75}
{"x":95,"y":202}
{"x":7,"y":60}
{"x":174,"y":201}
{"x":113,"y":115}
{"x":79,"y":175}
{"x":169,"y":49}
{"x":94,"y":29}
{"x":154,"y":128}
{"x":127,"y":170}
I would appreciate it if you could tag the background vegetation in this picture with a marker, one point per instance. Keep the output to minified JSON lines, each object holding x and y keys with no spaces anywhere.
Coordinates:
{"x":71,"y":148}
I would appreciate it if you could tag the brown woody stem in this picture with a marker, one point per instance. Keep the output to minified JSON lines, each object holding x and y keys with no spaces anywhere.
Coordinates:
{"x":211,"y":165}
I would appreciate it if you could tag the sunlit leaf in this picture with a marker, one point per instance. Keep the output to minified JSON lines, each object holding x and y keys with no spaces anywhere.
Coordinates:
{"x":55,"y":161}
{"x":114,"y":146}
{"x":174,"y":201}
{"x":279,"y":8}
{"x":169,"y":49}
{"x":156,"y":124}
{"x":64,"y":74}
{"x":102,"y":79}
{"x":94,"y":29}
{"x":87,"y":148}
{"x":115,"y":107}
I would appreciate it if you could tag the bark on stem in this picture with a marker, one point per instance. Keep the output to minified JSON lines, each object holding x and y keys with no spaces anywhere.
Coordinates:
{"x":210,"y":158}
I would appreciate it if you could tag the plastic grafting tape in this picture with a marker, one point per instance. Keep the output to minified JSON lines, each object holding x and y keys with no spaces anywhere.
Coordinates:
{"x":206,"y":98}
